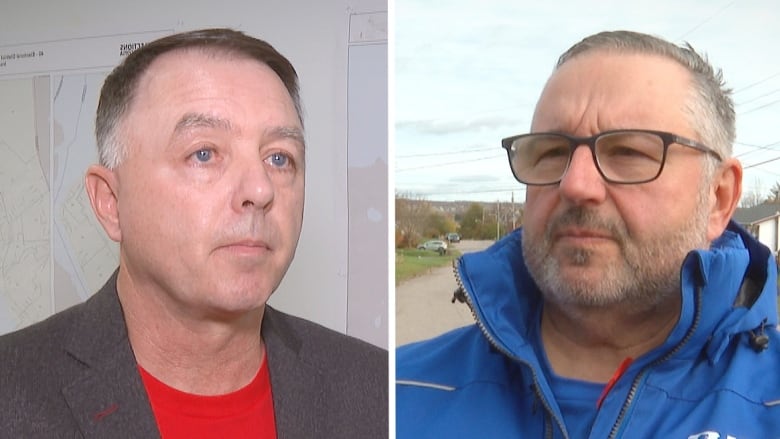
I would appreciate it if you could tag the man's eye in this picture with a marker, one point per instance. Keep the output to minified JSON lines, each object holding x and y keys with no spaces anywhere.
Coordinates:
{"x":279,"y":160}
{"x":203,"y":155}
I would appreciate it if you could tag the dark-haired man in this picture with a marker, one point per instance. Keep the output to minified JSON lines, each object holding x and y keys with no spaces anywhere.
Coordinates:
{"x":201,"y":182}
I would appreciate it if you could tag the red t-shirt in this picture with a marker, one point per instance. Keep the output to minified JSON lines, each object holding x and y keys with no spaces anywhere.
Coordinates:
{"x":245,"y":413}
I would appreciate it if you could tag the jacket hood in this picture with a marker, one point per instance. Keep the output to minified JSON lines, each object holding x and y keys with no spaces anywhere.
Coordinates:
{"x":751,"y":305}
{"x":728,"y":290}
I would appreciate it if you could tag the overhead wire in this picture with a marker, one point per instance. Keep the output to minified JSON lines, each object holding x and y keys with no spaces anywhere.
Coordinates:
{"x":462,"y":151}
{"x":768,"y":147}
{"x":519,"y":188}
{"x":439,"y":165}
{"x":756,"y":83}
{"x":761,"y":163}
{"x":757,"y":97}
{"x":760,"y":107}
{"x":742,"y":89}
{"x":706,"y":20}
{"x":756,"y":148}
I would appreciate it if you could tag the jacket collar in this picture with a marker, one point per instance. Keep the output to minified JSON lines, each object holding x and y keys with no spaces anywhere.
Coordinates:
{"x":108,"y":395}
{"x":736,"y":278}
{"x":294,"y":380}
{"x":739,"y":291}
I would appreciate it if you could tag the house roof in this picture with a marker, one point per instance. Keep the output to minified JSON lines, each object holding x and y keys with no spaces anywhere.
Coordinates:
{"x":756,"y":214}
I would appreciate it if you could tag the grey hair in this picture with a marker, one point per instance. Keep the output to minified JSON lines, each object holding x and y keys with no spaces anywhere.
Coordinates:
{"x":711,"y":107}
{"x":119,"y":88}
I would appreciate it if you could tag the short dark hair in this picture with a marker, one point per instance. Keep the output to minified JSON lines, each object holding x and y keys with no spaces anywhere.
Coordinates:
{"x":120,"y":86}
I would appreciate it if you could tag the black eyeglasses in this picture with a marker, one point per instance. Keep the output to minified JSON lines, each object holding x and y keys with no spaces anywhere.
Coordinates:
{"x":621,"y":156}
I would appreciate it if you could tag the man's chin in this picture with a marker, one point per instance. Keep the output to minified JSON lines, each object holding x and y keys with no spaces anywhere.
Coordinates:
{"x":231,"y":310}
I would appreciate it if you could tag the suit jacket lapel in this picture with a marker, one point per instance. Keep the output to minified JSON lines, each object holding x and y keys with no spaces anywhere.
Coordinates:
{"x":299,"y":388}
{"x":108,"y":398}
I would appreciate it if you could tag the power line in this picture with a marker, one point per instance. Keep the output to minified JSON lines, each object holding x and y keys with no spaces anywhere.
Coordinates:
{"x":463,"y":151}
{"x":757,"y":148}
{"x":439,"y":165}
{"x":758,"y":97}
{"x":752,"y":145}
{"x":761,"y":163}
{"x":756,"y":83}
{"x":706,"y":20}
{"x":471,"y":192}
{"x":760,"y":107}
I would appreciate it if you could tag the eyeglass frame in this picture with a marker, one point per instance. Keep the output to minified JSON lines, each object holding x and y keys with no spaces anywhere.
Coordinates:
{"x":575,"y":142}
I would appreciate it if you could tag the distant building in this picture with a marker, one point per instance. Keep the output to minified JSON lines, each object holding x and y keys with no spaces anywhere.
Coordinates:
{"x":763,"y":221}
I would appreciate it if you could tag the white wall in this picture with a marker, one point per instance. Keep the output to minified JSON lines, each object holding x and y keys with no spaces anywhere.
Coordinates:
{"x":314,"y":35}
{"x":367,"y":177}
{"x":768,"y":233}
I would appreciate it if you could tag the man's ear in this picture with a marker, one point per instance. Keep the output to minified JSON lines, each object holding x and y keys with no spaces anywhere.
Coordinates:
{"x":101,"y":185}
{"x":726,"y":192}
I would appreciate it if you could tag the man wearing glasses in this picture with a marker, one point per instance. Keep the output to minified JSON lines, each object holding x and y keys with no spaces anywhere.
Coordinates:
{"x":628,"y":305}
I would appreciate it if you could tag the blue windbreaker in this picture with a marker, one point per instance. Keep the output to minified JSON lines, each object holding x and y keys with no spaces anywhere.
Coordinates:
{"x":717,"y":376}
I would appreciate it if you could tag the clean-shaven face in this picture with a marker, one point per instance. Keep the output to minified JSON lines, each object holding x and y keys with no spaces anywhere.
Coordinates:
{"x":210,"y":196}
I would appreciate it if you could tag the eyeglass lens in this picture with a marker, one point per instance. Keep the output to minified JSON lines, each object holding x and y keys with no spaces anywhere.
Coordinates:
{"x":623,"y":157}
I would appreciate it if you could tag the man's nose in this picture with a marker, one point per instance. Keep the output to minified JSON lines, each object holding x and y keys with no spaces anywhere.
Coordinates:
{"x":255,"y":188}
{"x":582,"y":183}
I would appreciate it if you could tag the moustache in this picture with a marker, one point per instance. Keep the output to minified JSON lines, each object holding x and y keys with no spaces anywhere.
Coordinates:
{"x":585,"y":218}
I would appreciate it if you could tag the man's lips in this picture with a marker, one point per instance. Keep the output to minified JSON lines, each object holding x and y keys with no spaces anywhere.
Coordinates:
{"x":581,"y":234}
{"x":247,"y":246}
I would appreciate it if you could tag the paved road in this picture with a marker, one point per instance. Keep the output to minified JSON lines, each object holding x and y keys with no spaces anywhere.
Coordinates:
{"x":423,"y":307}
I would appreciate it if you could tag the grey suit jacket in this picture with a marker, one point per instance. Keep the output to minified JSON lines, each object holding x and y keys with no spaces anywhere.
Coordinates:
{"x":74,"y":375}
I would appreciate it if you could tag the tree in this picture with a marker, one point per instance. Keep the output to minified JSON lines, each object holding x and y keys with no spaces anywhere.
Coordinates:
{"x":410,"y":214}
{"x":471,"y":221}
{"x":487,"y":229}
{"x":754,"y":196}
{"x":438,"y":224}
{"x":774,"y":193}
{"x":750,"y":198}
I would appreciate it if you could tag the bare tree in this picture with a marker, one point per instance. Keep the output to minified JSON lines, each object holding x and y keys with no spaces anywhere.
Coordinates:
{"x":774,"y":193}
{"x":411,"y":212}
{"x":751,"y":198}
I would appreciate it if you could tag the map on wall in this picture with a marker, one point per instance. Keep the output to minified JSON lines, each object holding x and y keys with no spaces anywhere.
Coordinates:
{"x":53,"y":252}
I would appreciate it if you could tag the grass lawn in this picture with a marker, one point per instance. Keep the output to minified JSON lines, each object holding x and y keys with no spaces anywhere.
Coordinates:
{"x":410,"y":262}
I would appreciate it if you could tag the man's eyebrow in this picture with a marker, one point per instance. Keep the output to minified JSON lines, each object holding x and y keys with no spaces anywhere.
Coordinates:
{"x":287,"y":132}
{"x":201,"y":120}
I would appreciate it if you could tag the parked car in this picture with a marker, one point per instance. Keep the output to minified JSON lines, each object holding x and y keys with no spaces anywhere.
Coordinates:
{"x":436,"y":245}
{"x":453,"y":237}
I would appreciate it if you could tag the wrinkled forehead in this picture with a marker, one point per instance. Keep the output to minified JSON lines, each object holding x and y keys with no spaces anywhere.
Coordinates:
{"x":229,"y":95}
{"x":195,"y":69}
{"x":600,"y":89}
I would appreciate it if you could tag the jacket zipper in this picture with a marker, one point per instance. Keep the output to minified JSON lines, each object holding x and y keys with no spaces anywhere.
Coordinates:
{"x":635,"y":384}
{"x":494,"y":343}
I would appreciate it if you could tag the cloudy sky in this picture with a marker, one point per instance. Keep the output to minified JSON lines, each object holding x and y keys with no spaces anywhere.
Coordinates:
{"x":468,"y":73}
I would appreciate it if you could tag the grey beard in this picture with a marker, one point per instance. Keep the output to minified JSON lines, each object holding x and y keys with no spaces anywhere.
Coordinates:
{"x":645,"y":275}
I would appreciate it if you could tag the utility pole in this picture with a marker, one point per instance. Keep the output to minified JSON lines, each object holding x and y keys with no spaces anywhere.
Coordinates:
{"x":498,"y":219}
{"x":514,"y":226}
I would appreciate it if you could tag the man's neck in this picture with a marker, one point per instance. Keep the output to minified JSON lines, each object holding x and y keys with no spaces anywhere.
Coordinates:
{"x":195,"y":355}
{"x":590,"y":344}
